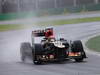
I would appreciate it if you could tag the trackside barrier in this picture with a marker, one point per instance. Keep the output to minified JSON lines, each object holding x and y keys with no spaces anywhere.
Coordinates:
{"x":51,"y":11}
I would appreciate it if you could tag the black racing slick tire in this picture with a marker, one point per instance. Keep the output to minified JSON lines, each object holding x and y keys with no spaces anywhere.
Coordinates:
{"x":78,"y":47}
{"x":38,"y":49}
{"x":79,"y":59}
{"x":24,"y":50}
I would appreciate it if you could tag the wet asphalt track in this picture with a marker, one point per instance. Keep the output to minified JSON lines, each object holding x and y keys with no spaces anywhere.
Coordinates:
{"x":10,"y":63}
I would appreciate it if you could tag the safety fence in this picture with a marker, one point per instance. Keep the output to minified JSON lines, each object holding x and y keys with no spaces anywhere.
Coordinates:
{"x":51,"y":11}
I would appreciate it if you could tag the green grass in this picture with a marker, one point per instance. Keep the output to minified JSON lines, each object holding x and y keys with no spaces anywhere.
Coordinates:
{"x":55,"y":22}
{"x":10,"y":27}
{"x":94,"y":43}
{"x":70,"y":21}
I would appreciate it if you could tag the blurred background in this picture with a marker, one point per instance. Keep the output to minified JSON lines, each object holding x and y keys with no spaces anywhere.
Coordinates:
{"x":19,"y":8}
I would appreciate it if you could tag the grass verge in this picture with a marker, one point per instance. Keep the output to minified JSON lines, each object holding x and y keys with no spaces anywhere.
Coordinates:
{"x":10,"y":27}
{"x":55,"y":22}
{"x":94,"y":43}
{"x":69,"y":21}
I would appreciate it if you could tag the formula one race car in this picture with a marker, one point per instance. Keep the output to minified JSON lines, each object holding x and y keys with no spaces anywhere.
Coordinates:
{"x":51,"y":49}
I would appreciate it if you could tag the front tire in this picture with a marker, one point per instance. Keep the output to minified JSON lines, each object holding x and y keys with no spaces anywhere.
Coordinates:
{"x":36,"y":61}
{"x":38,"y":49}
{"x":79,"y":59}
{"x":78,"y":47}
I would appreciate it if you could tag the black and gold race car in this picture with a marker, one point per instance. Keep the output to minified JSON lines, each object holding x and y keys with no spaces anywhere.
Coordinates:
{"x":51,"y":49}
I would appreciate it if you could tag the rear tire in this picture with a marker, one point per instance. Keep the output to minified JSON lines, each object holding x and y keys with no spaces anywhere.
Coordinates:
{"x":24,"y":49}
{"x":78,"y":47}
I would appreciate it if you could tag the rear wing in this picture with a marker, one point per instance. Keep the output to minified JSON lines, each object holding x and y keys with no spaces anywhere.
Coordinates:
{"x":38,"y":33}
{"x":43,"y":33}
